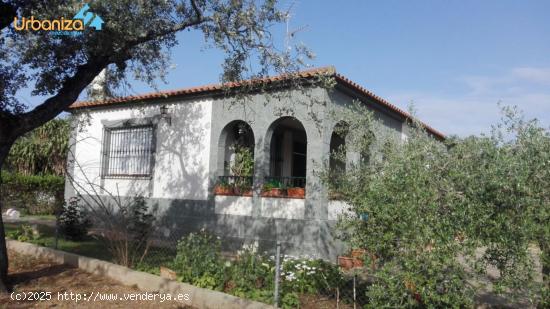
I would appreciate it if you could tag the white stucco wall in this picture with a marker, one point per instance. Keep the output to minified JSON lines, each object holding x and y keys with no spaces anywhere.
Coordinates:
{"x":234,"y":205}
{"x":182,"y":151}
{"x":284,"y":208}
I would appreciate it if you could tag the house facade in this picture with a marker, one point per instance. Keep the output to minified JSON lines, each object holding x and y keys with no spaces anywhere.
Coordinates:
{"x":181,"y":150}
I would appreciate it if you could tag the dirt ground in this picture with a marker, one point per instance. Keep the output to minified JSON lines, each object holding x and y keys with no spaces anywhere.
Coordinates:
{"x":34,"y":278}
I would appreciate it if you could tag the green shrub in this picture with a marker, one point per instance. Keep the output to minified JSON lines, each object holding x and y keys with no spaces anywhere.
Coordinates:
{"x":33,"y":195}
{"x":41,"y":151}
{"x":273,"y":184}
{"x":25,"y":233}
{"x":250,"y":272}
{"x":73,"y":223}
{"x":437,"y":285}
{"x":198,"y":260}
{"x":290,"y":300}
{"x":306,"y":275}
{"x":244,"y":161}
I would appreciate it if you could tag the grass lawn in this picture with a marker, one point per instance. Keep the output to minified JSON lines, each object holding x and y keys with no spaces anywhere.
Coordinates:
{"x":95,"y":247}
{"x":40,"y":217}
{"x":90,"y":247}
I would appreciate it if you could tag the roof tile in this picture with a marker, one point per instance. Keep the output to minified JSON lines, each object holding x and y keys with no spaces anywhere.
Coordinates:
{"x":205,"y":89}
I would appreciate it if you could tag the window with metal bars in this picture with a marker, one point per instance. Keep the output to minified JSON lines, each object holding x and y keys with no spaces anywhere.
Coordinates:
{"x":129,"y":152}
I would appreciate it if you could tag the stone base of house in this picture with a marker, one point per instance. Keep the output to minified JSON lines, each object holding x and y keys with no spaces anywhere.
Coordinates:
{"x":177,"y":218}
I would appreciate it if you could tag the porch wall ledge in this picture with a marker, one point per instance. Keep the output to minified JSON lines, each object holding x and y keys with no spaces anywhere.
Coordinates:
{"x":199,"y":298}
{"x":283,"y":208}
{"x":233,"y":205}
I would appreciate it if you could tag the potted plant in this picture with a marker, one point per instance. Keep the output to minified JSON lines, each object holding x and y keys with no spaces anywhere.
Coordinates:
{"x":358,"y":253}
{"x":273,"y":188}
{"x":244,"y":161}
{"x":223,"y":188}
{"x":243,"y":189}
{"x":247,"y":192}
{"x":357,"y":262}
{"x":345,"y":262}
{"x":296,"y":192}
{"x":243,"y":168}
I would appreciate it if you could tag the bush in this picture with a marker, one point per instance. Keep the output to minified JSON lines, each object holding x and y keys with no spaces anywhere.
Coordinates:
{"x":419,"y":205}
{"x":33,"y":195}
{"x":198,"y":260}
{"x":41,"y":151}
{"x":127,"y":226}
{"x":251,"y":276}
{"x":436,"y":285}
{"x":304,"y":275}
{"x":73,"y":223}
{"x":25,"y":233}
{"x":290,"y":300}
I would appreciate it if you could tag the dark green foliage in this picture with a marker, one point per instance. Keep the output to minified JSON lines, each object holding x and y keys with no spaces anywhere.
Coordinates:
{"x":127,"y":227}
{"x":24,"y":233}
{"x":273,"y":184}
{"x":313,"y":276}
{"x":139,"y":220}
{"x":73,"y":223}
{"x":290,"y":300}
{"x":198,"y":260}
{"x":251,"y":275}
{"x":33,"y":195}
{"x":440,"y":213}
{"x":42,"y":151}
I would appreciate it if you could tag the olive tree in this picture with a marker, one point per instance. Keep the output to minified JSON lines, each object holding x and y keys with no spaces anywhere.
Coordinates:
{"x":134,"y":43}
{"x":434,"y":214}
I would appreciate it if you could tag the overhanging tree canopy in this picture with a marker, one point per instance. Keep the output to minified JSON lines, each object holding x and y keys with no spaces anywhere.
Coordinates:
{"x":133,"y":43}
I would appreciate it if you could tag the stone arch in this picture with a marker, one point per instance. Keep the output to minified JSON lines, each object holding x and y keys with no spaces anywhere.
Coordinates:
{"x":237,"y":133}
{"x":286,"y":152}
{"x":338,"y":148}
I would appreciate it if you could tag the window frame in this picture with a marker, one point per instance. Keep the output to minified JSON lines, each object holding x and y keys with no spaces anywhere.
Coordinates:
{"x":106,"y":147}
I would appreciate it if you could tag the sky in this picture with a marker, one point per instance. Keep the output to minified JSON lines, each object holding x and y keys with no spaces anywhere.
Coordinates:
{"x":453,"y":60}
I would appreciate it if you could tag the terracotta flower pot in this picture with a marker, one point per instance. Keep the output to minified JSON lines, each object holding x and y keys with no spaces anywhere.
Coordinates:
{"x":345,"y":262}
{"x":296,"y":192}
{"x":243,"y":192}
{"x":275,"y":192}
{"x":357,"y":262}
{"x":223,"y":190}
{"x":358,"y":253}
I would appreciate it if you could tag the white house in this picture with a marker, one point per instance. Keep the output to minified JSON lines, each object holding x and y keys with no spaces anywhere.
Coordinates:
{"x":174,"y":147}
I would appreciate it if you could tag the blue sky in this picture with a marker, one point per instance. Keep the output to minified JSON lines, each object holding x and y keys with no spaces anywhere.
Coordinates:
{"x":453,"y":59}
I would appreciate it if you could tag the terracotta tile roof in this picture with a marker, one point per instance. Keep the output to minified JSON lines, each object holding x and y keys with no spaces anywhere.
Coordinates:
{"x":219,"y":88}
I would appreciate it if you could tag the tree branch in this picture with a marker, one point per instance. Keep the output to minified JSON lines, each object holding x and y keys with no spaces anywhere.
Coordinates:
{"x":69,"y":92}
{"x":73,"y":86}
{"x":7,"y":13}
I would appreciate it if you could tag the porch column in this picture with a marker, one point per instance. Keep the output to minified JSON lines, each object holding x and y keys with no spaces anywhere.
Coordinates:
{"x":287,"y":154}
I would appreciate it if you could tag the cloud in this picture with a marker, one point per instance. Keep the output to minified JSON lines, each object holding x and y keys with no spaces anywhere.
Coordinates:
{"x":474,"y":110}
{"x":536,"y":75}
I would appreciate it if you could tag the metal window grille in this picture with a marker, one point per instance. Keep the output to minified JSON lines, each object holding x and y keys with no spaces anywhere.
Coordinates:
{"x":129,"y":152}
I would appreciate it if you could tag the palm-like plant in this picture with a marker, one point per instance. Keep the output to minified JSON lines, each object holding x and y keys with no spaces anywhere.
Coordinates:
{"x":41,"y":151}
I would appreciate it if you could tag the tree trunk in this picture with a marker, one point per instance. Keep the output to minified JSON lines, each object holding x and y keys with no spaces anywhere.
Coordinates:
{"x":4,"y":150}
{"x":545,"y":261}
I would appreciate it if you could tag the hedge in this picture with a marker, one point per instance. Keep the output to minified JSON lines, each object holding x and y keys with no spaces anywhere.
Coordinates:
{"x":32,"y":195}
